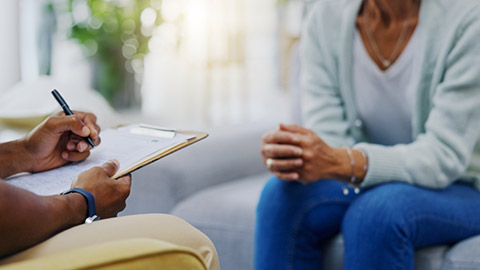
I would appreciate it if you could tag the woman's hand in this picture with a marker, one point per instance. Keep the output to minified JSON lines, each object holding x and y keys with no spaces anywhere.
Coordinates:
{"x":58,"y":140}
{"x":295,"y":153}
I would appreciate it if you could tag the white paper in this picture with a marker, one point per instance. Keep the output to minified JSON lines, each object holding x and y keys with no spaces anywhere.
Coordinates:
{"x":120,"y":144}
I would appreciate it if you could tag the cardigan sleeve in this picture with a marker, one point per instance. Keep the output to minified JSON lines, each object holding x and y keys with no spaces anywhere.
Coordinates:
{"x":322,"y":106}
{"x":442,"y":153}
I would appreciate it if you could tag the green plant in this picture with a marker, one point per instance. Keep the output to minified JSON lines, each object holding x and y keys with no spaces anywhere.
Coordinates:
{"x":115,"y":34}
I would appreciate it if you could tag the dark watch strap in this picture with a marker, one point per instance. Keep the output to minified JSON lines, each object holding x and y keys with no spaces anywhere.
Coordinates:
{"x":91,"y":215}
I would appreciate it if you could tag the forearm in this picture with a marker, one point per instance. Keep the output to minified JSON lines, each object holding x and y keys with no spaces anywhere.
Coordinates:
{"x":28,"y":219}
{"x":13,"y":158}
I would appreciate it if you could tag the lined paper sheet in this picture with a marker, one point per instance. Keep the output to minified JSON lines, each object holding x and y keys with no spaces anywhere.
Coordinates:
{"x":121,"y":144}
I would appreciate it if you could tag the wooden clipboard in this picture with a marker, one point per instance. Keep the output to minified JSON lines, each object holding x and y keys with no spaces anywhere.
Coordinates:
{"x":164,"y":152}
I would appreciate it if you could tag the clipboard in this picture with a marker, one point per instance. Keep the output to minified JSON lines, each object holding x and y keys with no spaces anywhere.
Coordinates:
{"x":133,"y":151}
{"x":198,"y":136}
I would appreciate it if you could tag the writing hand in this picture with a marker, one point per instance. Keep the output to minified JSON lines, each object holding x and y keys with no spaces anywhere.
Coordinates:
{"x":58,"y":140}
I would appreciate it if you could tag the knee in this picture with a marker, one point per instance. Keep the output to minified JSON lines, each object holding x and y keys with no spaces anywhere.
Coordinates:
{"x":274,"y":195}
{"x":279,"y":196}
{"x":379,"y":214}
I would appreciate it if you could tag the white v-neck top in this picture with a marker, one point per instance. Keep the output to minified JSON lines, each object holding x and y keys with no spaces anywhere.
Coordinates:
{"x":385,"y":99}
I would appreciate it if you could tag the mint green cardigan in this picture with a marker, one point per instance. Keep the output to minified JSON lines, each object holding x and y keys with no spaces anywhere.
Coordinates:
{"x":446,"y":115}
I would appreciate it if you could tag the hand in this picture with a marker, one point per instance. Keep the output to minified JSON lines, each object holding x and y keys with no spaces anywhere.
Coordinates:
{"x":58,"y":140}
{"x":320,"y":161}
{"x":282,"y":153}
{"x":299,"y":154}
{"x":110,"y":194}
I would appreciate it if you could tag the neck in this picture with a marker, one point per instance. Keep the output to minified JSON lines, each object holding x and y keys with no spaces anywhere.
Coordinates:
{"x":389,"y":10}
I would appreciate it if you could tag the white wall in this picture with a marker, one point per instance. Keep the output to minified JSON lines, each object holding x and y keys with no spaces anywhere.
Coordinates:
{"x":9,"y":44}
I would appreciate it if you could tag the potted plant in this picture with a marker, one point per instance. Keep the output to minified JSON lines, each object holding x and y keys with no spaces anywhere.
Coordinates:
{"x":115,"y":35}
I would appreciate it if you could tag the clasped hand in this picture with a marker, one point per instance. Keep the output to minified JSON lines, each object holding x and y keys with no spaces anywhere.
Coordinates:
{"x":298,"y":154}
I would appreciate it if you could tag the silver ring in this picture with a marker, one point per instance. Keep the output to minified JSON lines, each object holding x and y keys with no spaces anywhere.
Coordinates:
{"x":269,"y":163}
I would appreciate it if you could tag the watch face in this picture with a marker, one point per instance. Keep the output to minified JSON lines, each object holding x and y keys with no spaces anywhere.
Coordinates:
{"x":92,"y":219}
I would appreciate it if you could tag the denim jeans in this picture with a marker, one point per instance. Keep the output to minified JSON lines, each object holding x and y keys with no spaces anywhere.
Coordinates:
{"x":381,"y":226}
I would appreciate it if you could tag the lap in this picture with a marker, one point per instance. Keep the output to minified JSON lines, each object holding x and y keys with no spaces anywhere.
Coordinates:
{"x":154,"y":226}
{"x":313,"y":209}
{"x":426,"y":216}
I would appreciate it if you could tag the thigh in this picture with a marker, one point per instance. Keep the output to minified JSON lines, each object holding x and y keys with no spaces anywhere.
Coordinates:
{"x":384,"y":226}
{"x":293,"y":220}
{"x":154,"y":226}
{"x":425,"y":216}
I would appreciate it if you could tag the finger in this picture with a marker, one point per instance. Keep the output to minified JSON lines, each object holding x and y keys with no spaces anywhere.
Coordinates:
{"x":281,"y":151}
{"x":127,"y":179}
{"x":82,"y":146}
{"x":294,"y":128}
{"x":288,"y":176}
{"x":74,"y":156}
{"x":71,"y":145}
{"x":60,"y":124}
{"x":90,"y":120}
{"x":97,"y":140}
{"x":126,"y":182}
{"x":111,"y":167}
{"x":285,"y":164}
{"x":277,"y":136}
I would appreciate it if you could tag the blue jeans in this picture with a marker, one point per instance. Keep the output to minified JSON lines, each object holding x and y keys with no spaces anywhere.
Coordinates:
{"x":381,"y":226}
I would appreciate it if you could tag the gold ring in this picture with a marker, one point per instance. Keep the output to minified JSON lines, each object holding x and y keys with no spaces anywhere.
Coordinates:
{"x":269,"y":163}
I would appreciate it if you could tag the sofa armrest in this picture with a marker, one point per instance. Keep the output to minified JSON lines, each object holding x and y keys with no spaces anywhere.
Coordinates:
{"x":228,"y":154}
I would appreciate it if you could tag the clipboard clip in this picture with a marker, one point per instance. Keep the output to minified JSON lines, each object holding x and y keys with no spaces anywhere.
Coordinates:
{"x":154,"y":131}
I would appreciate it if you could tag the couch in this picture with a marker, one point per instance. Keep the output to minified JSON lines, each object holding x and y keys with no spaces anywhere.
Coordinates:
{"x":215,"y":185}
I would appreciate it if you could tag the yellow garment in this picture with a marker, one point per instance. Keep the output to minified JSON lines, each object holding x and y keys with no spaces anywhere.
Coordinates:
{"x":137,"y":253}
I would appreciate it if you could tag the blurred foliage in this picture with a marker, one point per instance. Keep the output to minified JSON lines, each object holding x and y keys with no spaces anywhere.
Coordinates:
{"x":282,"y":2}
{"x":112,"y":34}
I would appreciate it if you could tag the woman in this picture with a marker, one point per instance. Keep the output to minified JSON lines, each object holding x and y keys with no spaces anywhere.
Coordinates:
{"x":392,"y":107}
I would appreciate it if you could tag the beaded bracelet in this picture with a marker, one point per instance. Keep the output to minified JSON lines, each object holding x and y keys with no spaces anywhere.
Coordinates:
{"x":353,"y":179}
{"x":365,"y":166}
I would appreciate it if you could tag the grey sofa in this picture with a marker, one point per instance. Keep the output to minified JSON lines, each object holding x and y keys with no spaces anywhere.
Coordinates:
{"x":215,"y":185}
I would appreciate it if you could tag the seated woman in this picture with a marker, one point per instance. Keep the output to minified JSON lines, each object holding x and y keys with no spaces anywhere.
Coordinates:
{"x":390,"y":156}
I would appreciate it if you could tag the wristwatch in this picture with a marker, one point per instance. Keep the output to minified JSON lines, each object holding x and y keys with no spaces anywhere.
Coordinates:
{"x":91,"y":215}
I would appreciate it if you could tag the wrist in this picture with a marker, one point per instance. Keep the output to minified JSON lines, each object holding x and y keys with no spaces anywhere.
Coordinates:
{"x":91,"y":215}
{"x":76,"y":206}
{"x":13,"y":158}
{"x":341,"y":169}
{"x":350,"y":166}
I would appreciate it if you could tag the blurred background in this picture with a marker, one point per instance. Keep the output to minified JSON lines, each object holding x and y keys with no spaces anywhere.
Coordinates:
{"x":186,"y":63}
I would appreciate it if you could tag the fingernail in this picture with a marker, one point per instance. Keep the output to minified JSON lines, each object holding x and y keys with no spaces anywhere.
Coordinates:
{"x":298,"y":162}
{"x":295,"y":139}
{"x":85,"y":130}
{"x":298,"y":152}
{"x":114,"y":161}
{"x":70,"y":146}
{"x":65,"y":155}
{"x":83,"y":147}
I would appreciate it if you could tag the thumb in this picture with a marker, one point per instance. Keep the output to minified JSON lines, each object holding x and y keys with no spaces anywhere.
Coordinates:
{"x":111,"y":167}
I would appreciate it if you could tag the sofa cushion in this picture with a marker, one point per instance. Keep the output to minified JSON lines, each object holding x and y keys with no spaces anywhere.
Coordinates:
{"x":464,"y":255}
{"x":226,"y":214}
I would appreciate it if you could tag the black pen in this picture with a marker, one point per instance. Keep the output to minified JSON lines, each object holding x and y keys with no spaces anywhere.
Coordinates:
{"x":67,"y":111}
